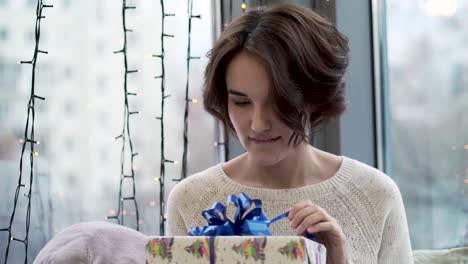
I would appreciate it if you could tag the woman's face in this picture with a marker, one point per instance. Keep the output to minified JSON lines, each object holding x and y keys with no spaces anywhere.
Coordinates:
{"x":250,"y":108}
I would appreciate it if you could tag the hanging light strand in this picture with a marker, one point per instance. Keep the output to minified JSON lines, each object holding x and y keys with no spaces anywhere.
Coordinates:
{"x":126,"y":136}
{"x":164,"y":96}
{"x":28,"y":139}
{"x":188,"y":100}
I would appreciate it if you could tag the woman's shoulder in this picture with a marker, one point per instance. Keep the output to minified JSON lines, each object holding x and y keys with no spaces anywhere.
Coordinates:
{"x":370,"y":190}
{"x":197,"y":184}
{"x":372,"y":181}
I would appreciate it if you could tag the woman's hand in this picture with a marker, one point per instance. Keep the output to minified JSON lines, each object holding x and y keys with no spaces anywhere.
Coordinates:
{"x":306,"y":217}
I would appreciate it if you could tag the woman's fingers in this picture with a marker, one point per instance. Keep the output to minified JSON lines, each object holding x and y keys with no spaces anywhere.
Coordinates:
{"x":302,"y":209}
{"x":321,"y":227}
{"x":310,"y":220}
{"x":296,"y":208}
{"x":296,"y":216}
{"x":306,"y":214}
{"x":335,"y":236}
{"x":301,"y":215}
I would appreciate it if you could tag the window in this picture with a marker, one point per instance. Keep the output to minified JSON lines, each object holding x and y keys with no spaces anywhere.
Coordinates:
{"x":32,"y":3}
{"x":66,"y":3}
{"x":9,"y":73}
{"x":426,"y":100}
{"x":3,"y":34}
{"x":84,"y":110}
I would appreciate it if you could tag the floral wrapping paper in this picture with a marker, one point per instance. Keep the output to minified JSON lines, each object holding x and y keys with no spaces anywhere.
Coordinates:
{"x":234,"y":249}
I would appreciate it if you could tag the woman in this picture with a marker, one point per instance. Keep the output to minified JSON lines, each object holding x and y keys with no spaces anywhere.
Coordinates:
{"x":275,"y":74}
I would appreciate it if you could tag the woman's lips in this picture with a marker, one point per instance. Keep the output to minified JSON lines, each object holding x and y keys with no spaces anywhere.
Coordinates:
{"x":264,"y":140}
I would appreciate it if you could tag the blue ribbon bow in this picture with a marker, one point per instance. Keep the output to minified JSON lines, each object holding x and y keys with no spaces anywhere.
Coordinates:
{"x":253,"y":223}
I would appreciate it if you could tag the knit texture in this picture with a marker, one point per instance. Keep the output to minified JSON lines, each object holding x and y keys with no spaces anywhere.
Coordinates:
{"x":366,"y":203}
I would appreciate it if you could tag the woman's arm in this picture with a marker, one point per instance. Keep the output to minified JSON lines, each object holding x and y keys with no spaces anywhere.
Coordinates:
{"x":175,"y":223}
{"x":395,"y":246}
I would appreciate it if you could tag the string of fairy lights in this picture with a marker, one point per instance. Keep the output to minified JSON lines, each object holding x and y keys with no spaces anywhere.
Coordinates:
{"x":29,"y":139}
{"x":188,"y":100}
{"x":126,"y":135}
{"x":162,"y":177}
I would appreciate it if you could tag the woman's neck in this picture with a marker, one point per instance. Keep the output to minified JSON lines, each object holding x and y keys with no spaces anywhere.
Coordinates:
{"x":305,"y":166}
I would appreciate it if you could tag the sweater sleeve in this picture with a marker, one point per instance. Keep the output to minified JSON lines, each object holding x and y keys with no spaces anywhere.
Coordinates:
{"x":175,"y":223}
{"x":395,"y":246}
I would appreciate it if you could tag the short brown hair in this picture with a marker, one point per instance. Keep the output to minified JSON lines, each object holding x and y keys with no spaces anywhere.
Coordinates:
{"x":307,"y":58}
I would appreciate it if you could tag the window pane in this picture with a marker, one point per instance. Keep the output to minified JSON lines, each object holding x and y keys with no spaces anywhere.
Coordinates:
{"x":77,"y":171}
{"x":427,"y":103}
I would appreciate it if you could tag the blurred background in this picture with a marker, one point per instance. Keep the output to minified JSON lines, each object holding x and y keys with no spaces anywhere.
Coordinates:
{"x":77,"y":171}
{"x":407,"y":85}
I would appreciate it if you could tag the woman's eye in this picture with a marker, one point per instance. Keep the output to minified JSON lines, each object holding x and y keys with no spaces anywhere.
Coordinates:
{"x":241,"y":103}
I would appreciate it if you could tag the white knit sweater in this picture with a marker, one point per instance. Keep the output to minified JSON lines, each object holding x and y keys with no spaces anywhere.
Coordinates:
{"x":366,"y":203}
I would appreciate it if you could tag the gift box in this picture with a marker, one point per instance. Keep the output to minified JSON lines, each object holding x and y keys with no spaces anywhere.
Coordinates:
{"x":244,"y":238}
{"x":234,"y":249}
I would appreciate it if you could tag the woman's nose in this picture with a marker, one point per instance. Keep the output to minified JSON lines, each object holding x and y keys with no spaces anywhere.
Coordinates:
{"x":261,"y":120}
